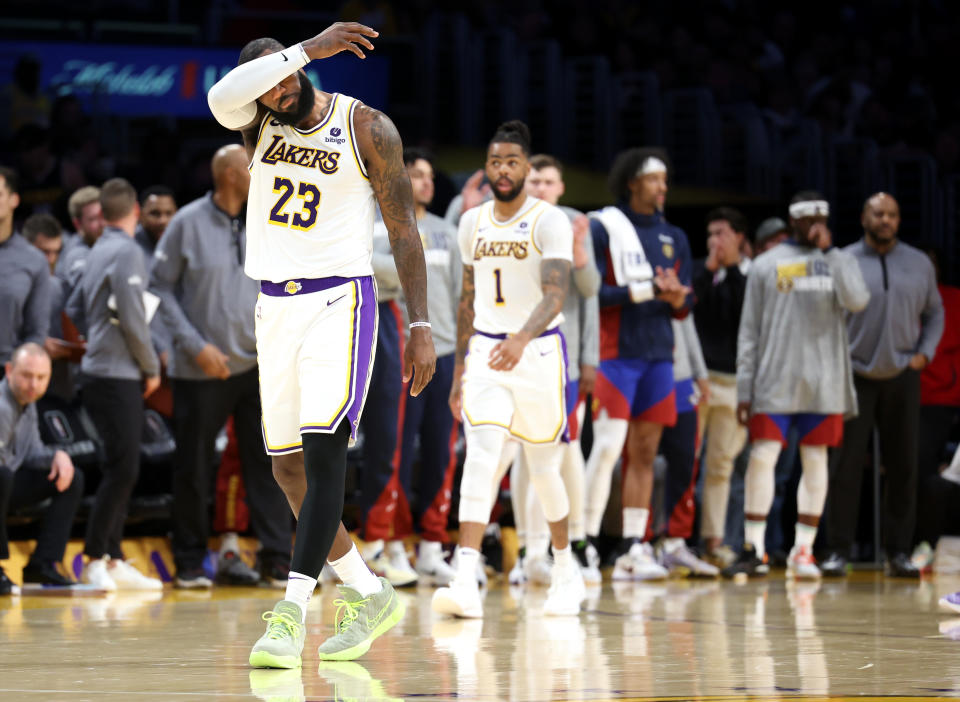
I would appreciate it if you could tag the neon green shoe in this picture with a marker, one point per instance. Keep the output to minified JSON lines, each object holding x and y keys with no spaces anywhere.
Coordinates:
{"x":363,"y":620}
{"x":282,"y":644}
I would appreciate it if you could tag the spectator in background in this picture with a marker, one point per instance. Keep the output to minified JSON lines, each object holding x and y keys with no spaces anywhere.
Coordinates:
{"x":24,"y":278}
{"x":120,"y":368}
{"x":719,"y":285}
{"x":939,"y":405}
{"x":26,"y":103}
{"x":891,"y":341}
{"x":87,"y":218}
{"x":44,"y":232}
{"x":207,"y":303}
{"x":772,"y":231}
{"x":427,"y":416}
{"x":157,"y":207}
{"x":28,"y":474}
{"x":45,"y":178}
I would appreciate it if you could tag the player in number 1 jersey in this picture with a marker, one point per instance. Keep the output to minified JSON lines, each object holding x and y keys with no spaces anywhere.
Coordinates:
{"x":319,"y":163}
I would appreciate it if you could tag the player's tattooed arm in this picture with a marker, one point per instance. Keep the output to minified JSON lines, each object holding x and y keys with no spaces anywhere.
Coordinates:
{"x":465,"y":316}
{"x":555,"y":281}
{"x":382,"y":152}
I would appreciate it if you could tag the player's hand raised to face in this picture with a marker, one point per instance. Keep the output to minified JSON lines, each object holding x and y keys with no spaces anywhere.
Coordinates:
{"x":342,"y":36}
{"x":419,"y":359}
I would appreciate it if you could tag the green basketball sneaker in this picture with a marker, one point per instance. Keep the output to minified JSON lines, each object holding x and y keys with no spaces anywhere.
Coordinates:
{"x":363,"y":620}
{"x":282,"y":644}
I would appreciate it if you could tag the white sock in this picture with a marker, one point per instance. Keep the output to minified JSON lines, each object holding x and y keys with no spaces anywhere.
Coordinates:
{"x":229,"y":542}
{"x":806,"y":535}
{"x":467,"y":560}
{"x":299,"y":589}
{"x":755,"y":533}
{"x":635,"y":522}
{"x":353,"y":571}
{"x":563,"y":557}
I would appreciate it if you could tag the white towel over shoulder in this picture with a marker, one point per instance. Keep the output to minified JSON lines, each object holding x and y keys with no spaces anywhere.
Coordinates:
{"x":630,"y":265}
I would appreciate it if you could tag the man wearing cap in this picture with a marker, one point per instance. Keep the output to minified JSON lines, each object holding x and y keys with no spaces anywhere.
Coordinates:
{"x":891,"y":341}
{"x":793,"y":370}
{"x":644,"y":265}
{"x":772,"y":231}
{"x":719,"y":284}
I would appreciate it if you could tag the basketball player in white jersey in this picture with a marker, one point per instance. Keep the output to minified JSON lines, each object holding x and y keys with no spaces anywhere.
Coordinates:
{"x":319,"y":165}
{"x":510,"y":373}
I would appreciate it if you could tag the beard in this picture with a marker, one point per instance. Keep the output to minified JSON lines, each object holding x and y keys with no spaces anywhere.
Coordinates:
{"x":510,"y":194}
{"x":303,"y":106}
{"x":880,"y":236}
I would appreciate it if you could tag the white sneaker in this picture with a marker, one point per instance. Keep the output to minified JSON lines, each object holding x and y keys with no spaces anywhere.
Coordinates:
{"x":481,"y":571}
{"x":129,"y":578}
{"x":589,"y":562}
{"x":801,"y":565}
{"x":680,"y":561}
{"x":95,"y":573}
{"x":638,"y":564}
{"x":431,"y":566}
{"x":382,"y":563}
{"x":566,"y":592}
{"x":458,"y":600}
{"x":400,"y":564}
{"x":538,"y":569}
{"x":516,"y":576}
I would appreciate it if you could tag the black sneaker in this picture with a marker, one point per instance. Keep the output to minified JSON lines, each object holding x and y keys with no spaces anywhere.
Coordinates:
{"x":6,"y":584}
{"x":192,"y":579}
{"x":580,"y":553}
{"x":45,"y":574}
{"x":274,"y":569}
{"x":492,"y":550}
{"x":834,"y":566}
{"x":231,"y":570}
{"x":900,"y":566}
{"x":747,"y":564}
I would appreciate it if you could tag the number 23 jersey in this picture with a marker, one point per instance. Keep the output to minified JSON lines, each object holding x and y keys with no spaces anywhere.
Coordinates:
{"x":310,"y":208}
{"x":506,"y":258}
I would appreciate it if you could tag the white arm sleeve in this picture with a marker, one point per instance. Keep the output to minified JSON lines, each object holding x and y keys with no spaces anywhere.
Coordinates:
{"x":554,"y":235}
{"x":233,"y":99}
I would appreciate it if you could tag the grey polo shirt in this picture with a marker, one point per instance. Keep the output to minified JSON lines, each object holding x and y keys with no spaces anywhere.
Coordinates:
{"x":905,"y":313}
{"x":118,"y":340}
{"x":19,"y":432}
{"x":24,"y":295}
{"x":205,"y":295}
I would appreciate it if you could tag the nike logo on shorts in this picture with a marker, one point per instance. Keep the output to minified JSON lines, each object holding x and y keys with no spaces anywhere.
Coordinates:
{"x":331,"y":302}
{"x":546,"y":353}
{"x":285,"y":57}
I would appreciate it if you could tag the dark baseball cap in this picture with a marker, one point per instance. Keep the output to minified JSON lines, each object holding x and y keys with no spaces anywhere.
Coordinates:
{"x":768,"y":228}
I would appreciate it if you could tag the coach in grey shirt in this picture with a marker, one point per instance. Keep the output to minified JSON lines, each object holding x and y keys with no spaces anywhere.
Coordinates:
{"x":890,"y":343}
{"x":207,"y":304}
{"x":30,"y":472}
{"x":24,"y":278}
{"x":120,"y":368}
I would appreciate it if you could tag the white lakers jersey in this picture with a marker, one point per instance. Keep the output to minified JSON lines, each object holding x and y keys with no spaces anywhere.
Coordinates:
{"x":310,"y":209}
{"x":506,"y":258}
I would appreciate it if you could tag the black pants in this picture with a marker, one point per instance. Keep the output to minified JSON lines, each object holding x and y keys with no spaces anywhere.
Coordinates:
{"x":29,"y":486}
{"x":200,"y":409}
{"x":678,"y":446}
{"x":893,"y":406}
{"x":116,"y":408}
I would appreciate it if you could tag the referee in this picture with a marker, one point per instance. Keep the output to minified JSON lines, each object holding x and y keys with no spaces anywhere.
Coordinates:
{"x":208,"y":307}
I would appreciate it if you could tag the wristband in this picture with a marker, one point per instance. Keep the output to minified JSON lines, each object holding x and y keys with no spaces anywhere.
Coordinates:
{"x":414,"y":325}
{"x":641,"y":292}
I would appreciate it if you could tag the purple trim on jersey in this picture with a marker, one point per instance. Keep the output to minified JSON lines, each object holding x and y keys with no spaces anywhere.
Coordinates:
{"x":302,"y":286}
{"x":501,"y":337}
{"x":361,"y":362}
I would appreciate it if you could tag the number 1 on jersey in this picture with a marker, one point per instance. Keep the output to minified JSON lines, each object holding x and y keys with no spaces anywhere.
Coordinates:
{"x":499,"y":300}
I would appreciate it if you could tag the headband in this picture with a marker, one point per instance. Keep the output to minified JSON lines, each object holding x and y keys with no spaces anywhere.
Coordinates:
{"x":652,"y":164}
{"x":810,"y":208}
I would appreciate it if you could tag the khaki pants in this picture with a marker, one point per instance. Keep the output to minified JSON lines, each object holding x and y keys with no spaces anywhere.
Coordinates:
{"x":725,"y":440}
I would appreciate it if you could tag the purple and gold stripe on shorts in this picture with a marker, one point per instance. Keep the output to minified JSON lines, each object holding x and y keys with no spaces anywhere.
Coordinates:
{"x":363,"y":344}
{"x":302,"y":286}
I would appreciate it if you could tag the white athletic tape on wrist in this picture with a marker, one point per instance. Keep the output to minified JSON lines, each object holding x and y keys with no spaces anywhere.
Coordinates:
{"x":810,"y":208}
{"x":641,"y":292}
